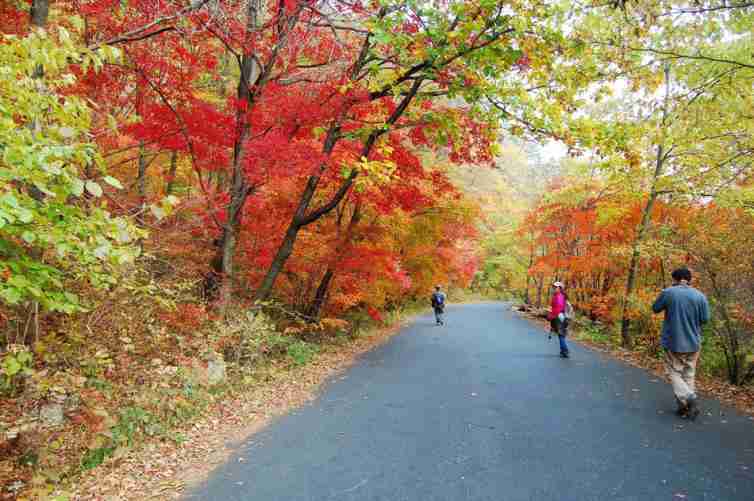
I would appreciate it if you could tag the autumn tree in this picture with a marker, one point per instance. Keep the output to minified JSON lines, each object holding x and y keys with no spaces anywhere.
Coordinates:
{"x":411,"y":55}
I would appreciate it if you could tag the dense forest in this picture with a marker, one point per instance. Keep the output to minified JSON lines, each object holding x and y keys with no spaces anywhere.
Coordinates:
{"x":193,"y":185}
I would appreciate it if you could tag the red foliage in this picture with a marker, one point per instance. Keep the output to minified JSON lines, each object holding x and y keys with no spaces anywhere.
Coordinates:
{"x":14,"y":17}
{"x":173,"y":93}
{"x":186,"y":318}
{"x":374,"y":314}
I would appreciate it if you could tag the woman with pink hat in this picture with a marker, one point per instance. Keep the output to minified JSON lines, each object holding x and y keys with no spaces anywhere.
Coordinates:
{"x":557,"y":317}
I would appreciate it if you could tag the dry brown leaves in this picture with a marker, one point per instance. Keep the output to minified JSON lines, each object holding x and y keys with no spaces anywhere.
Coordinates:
{"x":163,"y":470}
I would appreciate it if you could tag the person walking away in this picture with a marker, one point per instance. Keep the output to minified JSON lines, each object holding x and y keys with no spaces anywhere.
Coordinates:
{"x":438,"y":304}
{"x":686,"y":310}
{"x":557,"y":317}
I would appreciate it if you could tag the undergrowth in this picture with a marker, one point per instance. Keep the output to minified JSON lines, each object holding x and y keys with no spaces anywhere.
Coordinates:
{"x":140,"y":367}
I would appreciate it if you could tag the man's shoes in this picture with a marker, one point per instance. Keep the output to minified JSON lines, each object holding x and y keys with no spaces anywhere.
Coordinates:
{"x":564,"y":354}
{"x":692,"y":404}
{"x":682,"y":411}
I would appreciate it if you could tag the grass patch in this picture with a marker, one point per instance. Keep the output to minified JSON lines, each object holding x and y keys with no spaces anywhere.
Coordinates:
{"x":595,"y":334}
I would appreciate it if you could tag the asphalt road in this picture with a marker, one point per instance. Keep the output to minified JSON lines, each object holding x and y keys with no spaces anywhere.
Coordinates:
{"x":484,"y":409}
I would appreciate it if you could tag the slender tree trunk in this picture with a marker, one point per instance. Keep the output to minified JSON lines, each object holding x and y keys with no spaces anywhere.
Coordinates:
{"x":171,"y":173}
{"x":39,"y":12}
{"x":646,"y":219}
{"x":527,"y":297}
{"x":320,"y":297}
{"x":286,"y":246}
{"x":301,"y":218}
{"x":735,"y":359}
{"x":141,"y":183}
{"x":38,"y":15}
{"x":239,"y":188}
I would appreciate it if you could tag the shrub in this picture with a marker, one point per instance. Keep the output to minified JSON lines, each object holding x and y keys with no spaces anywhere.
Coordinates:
{"x":301,"y":352}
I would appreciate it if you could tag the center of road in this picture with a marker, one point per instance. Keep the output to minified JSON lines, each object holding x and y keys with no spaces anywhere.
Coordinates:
{"x":483,"y":408}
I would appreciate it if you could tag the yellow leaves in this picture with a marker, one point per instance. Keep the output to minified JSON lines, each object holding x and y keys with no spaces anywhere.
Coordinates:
{"x":654,"y":81}
{"x":77,"y":22}
{"x":374,"y":172}
{"x":51,"y":160}
{"x":343,"y":89}
{"x":382,"y":79}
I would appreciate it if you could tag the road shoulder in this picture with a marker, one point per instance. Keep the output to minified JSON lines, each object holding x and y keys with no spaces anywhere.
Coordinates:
{"x":163,"y":470}
{"x":740,"y":398}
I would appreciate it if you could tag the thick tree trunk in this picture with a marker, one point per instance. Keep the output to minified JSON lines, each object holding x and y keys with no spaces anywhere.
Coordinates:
{"x":253,"y":74}
{"x":646,"y":219}
{"x":238,"y":195}
{"x":40,"y":10}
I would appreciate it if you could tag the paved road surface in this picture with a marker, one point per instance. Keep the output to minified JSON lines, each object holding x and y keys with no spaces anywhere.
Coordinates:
{"x":484,"y":409}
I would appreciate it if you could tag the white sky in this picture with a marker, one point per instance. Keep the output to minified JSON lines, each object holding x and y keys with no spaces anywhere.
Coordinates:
{"x":553,"y":151}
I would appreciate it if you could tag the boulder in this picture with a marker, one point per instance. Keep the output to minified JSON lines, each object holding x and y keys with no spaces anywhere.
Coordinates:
{"x":211,"y":371}
{"x":216,"y":370}
{"x":52,"y":414}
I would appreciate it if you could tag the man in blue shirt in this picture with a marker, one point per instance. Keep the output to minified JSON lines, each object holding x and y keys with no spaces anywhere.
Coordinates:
{"x":686,"y":310}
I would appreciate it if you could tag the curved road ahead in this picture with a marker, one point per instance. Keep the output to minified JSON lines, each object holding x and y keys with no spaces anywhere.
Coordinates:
{"x":484,"y":409}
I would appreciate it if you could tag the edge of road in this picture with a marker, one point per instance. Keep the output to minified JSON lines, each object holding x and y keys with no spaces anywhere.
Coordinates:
{"x":212,"y":440}
{"x":742,"y":399}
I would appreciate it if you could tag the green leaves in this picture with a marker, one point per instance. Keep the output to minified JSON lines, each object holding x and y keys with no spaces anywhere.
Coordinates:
{"x":51,"y":235}
{"x":13,"y":365}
